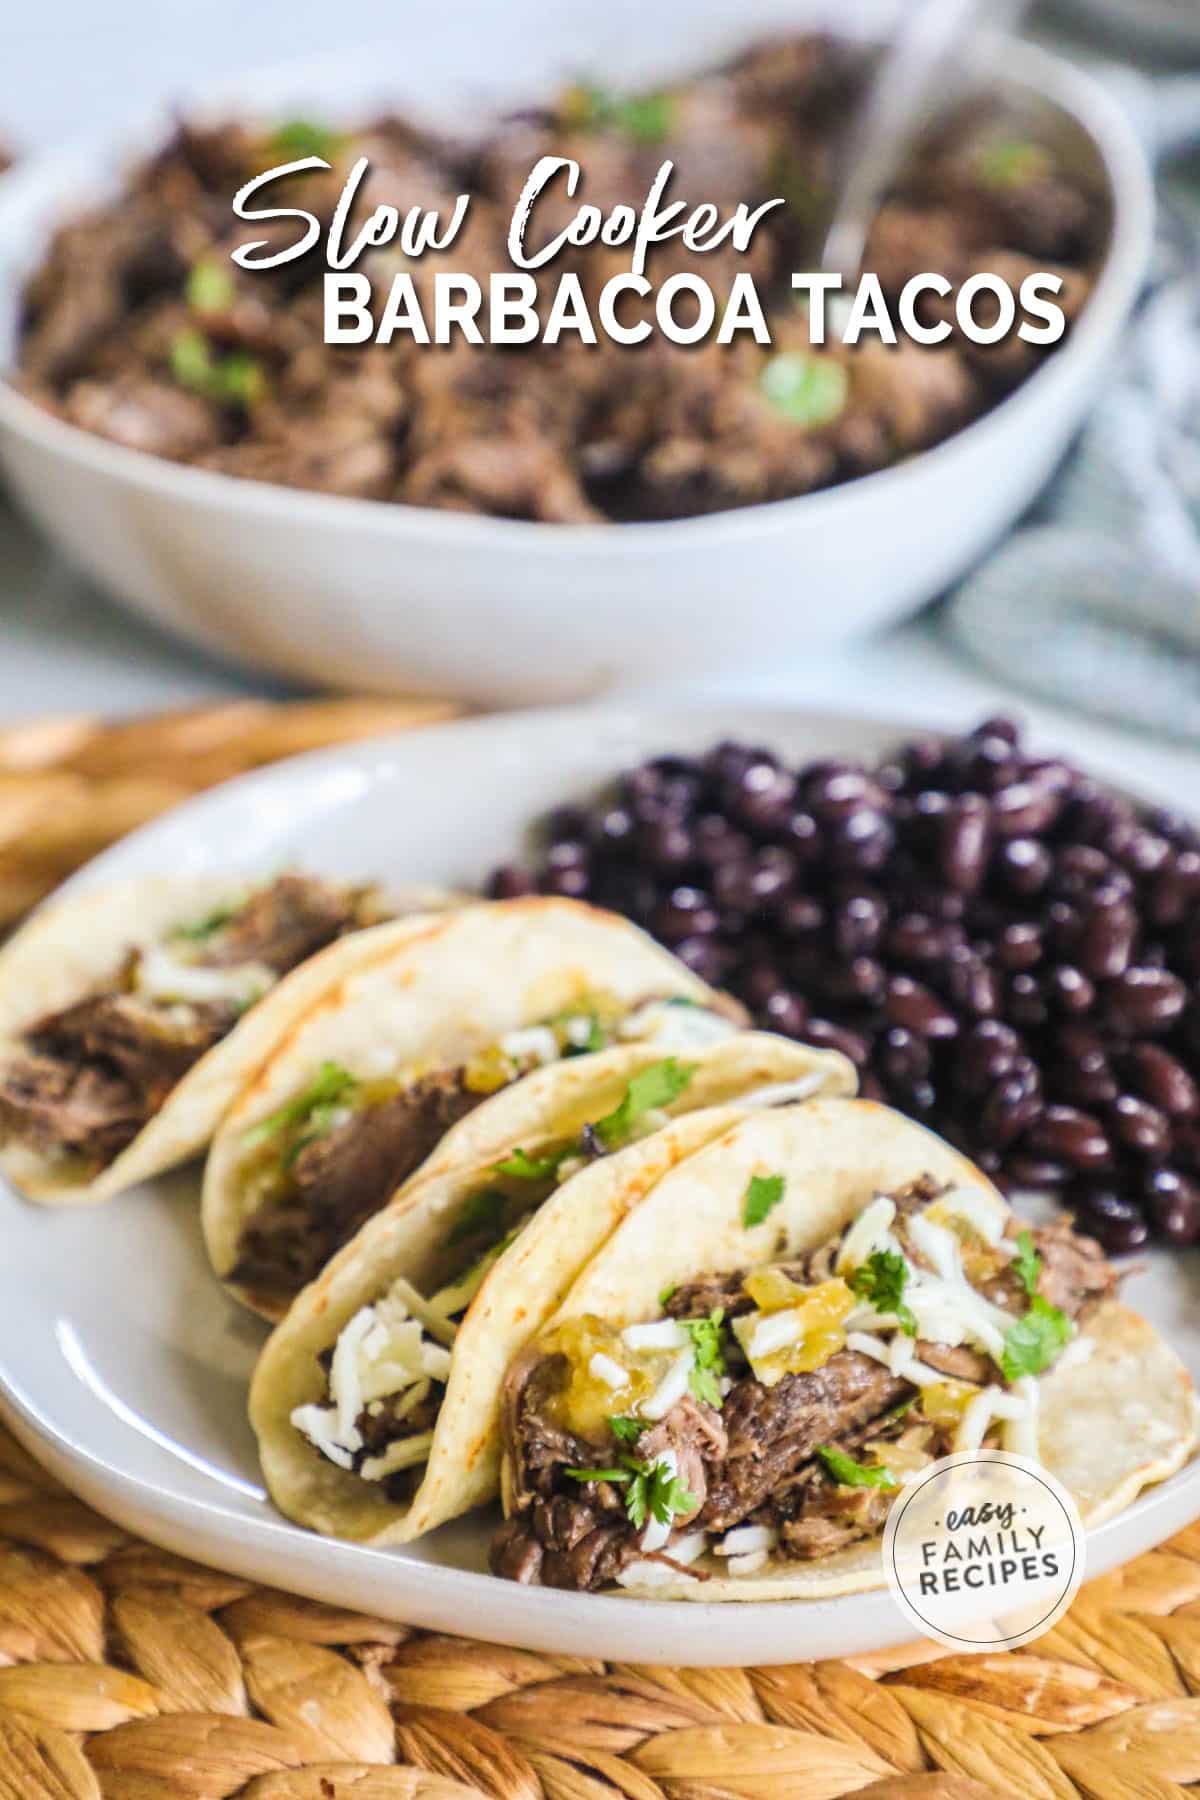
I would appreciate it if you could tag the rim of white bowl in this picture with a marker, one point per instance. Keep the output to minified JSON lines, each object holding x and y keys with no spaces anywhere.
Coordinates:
{"x":1121,"y":154}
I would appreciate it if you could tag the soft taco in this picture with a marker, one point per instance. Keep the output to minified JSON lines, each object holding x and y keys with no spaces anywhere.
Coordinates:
{"x":810,"y":1309}
{"x":376,"y":1400}
{"x":131,"y":1015}
{"x":367,"y":1084}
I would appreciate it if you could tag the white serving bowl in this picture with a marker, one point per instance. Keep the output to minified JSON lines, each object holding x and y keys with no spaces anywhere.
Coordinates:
{"x":368,"y":594}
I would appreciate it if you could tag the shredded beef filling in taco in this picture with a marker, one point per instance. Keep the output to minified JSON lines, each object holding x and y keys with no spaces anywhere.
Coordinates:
{"x":336,"y":1154}
{"x":386,"y":1373}
{"x":89,"y":1077}
{"x":773,"y":1413}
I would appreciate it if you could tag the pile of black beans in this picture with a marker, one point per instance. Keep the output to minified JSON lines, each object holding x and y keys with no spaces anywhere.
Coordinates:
{"x":1006,"y":949}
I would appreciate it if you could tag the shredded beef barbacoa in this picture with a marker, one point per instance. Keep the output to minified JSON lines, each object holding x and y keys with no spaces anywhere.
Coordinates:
{"x":138,"y":327}
{"x":754,"y":1459}
{"x":341,"y":1179}
{"x":89,"y":1077}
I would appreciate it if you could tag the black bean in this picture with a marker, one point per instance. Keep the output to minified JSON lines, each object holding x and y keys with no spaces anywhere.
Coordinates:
{"x":509,"y":882}
{"x":1071,"y":1136}
{"x":705,"y":957}
{"x":686,"y":912}
{"x":828,"y":1036}
{"x":1107,"y":934}
{"x":1162,"y":1079}
{"x":970,"y":984}
{"x":916,"y":1007}
{"x":966,"y":836}
{"x":1024,"y":866}
{"x":1007,"y":949}
{"x":1143,"y":1001}
{"x":785,"y":1011}
{"x":861,"y":841}
{"x":1173,"y":1201}
{"x":987,"y":1052}
{"x":1140,"y":1127}
{"x":762,"y":796}
{"x":1012,"y":1106}
{"x":1069,"y":990}
{"x":858,"y":922}
{"x":800,"y":916}
{"x":1020,"y":946}
{"x":664,"y":844}
{"x":1175,"y":892}
{"x":612,"y":830}
{"x":1116,"y":1222}
{"x":1025,"y":809}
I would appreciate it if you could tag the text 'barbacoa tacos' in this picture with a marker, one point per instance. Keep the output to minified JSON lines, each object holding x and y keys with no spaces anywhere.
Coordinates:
{"x":811,"y":1308}
{"x":130,"y":1016}
{"x":367,"y":1085}
{"x":376,"y":1400}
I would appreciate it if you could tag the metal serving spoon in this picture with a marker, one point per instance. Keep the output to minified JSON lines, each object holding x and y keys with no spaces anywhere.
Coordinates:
{"x":910,"y":84}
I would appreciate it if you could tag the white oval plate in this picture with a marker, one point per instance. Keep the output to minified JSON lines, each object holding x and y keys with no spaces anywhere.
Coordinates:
{"x":124,"y":1366}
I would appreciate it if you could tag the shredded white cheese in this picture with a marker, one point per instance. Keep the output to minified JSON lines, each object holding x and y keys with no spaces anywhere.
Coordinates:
{"x":784,"y":1093}
{"x":867,"y":1234}
{"x":992,"y":1403}
{"x":659,"y":1334}
{"x":672,"y":1387}
{"x":536,"y":1042}
{"x":1021,"y":1435}
{"x":608,"y":1370}
{"x":676,"y":1027}
{"x":982,"y":1217}
{"x":161,"y":976}
{"x":405,"y":1453}
{"x":747,"y":1565}
{"x":744,"y":1540}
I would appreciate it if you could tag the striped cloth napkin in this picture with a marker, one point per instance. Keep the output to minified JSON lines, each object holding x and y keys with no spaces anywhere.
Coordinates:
{"x":1095,"y":600}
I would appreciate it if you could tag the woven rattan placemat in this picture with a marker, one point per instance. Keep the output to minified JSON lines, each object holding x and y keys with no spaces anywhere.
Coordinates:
{"x":71,"y":786}
{"x":130,"y":1674}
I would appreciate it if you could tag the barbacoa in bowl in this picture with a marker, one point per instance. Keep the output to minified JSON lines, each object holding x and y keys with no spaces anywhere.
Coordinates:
{"x":137,"y":327}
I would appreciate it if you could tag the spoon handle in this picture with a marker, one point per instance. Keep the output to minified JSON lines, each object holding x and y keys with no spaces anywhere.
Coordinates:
{"x":910,"y":80}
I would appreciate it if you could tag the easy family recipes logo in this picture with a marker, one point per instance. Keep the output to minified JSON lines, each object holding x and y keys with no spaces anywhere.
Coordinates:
{"x":528,"y":303}
{"x":984,"y":1549}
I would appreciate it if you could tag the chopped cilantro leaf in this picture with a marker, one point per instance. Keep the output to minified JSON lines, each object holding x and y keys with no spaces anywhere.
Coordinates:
{"x":1012,"y":163}
{"x":480,"y":1212}
{"x":625,"y":1428}
{"x":666,"y":1495}
{"x":196,"y":930}
{"x":1027,"y":1262}
{"x":329,"y":1087}
{"x":304,"y":137}
{"x":881,"y":1280}
{"x":233,"y":380}
{"x":808,"y":390}
{"x":209,"y":286}
{"x":191,"y":361}
{"x":709,"y":1364}
{"x":652,"y":1489}
{"x":646,"y":118}
{"x":848,"y":1473}
{"x":667,"y":1292}
{"x":652,"y":1087}
{"x":529,"y":1168}
{"x":1034,"y":1342}
{"x":762,"y":1197}
{"x":238,"y":379}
